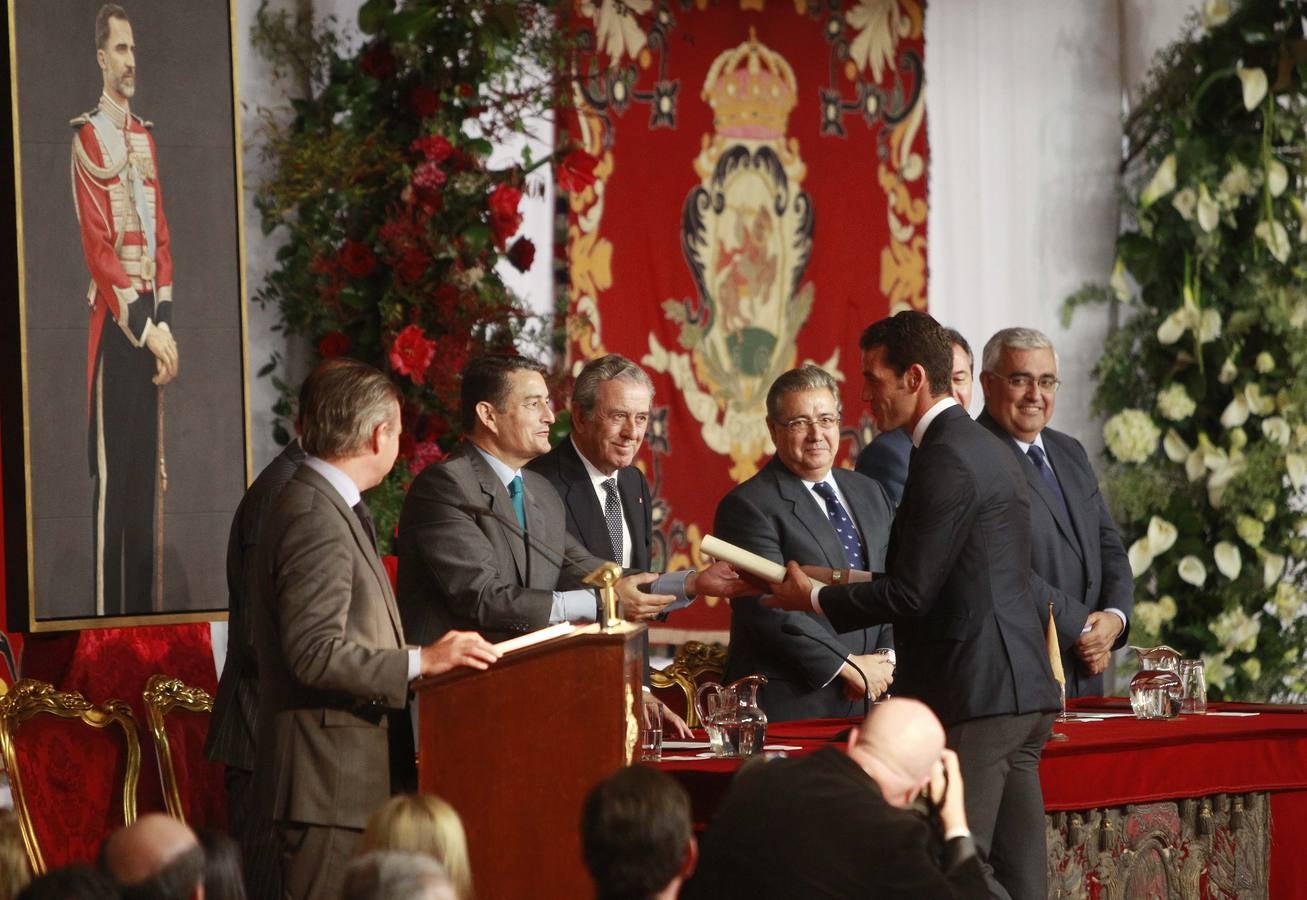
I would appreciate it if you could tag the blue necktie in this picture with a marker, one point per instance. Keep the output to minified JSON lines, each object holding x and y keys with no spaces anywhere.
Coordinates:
{"x":844,"y":527}
{"x":1036,"y":454}
{"x":519,"y":503}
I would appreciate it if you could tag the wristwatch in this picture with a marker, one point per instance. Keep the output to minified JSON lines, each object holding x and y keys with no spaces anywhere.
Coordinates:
{"x":839,"y":576}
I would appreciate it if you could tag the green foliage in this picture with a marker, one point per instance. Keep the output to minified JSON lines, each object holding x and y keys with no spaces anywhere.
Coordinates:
{"x":392,"y":223}
{"x":1210,"y":273}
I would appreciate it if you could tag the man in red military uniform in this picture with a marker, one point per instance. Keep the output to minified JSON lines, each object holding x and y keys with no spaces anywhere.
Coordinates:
{"x":130,"y":349}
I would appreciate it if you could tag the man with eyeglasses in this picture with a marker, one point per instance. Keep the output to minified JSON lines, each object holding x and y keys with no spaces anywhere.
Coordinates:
{"x":482,"y":540}
{"x":1076,"y":551}
{"x":886,"y":457}
{"x":801,"y":506}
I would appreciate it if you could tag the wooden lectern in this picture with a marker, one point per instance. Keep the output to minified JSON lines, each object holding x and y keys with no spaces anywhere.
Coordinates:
{"x":516,"y":748}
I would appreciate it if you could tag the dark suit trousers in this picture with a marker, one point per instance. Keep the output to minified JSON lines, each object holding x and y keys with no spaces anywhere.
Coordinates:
{"x":999,"y":760}
{"x":314,"y":858}
{"x":260,"y":855}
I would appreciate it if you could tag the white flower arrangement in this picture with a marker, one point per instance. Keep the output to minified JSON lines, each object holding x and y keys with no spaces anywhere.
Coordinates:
{"x":1174,"y":403}
{"x":1131,"y":435}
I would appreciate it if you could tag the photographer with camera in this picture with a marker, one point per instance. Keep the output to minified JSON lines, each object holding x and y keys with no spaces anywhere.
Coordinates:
{"x":882,"y":818}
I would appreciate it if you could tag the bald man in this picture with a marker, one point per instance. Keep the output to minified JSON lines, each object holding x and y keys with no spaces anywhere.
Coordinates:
{"x":156,"y":856}
{"x":841,"y":823}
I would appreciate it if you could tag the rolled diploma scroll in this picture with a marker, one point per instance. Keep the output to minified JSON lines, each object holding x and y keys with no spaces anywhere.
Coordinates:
{"x":745,"y":561}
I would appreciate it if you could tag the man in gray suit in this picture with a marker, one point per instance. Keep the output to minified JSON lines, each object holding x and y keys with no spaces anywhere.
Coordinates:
{"x":483,"y":542}
{"x":1076,"y":551}
{"x":801,"y":507}
{"x":332,"y":660}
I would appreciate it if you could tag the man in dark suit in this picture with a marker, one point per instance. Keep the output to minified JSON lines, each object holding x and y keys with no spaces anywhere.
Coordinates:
{"x":801,"y":507}
{"x":332,"y":660}
{"x":885,"y":459}
{"x":482,"y":540}
{"x":839,"y":824}
{"x":957,"y":588}
{"x":232,"y":726}
{"x":1076,"y":551}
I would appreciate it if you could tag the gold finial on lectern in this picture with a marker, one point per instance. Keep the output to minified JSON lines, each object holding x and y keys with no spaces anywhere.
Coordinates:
{"x":605,"y":578}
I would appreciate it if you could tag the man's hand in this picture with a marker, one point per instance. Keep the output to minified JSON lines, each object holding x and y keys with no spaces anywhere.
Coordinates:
{"x":1097,"y":665}
{"x":718,"y":580}
{"x":636,"y":605}
{"x":879,"y":671}
{"x":946,"y":792}
{"x":1104,"y":629}
{"x":795,"y":592}
{"x":673,"y":725}
{"x":159,"y":341}
{"x":454,"y":649}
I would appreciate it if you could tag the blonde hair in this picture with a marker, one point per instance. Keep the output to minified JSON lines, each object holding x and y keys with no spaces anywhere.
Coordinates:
{"x":422,"y":824}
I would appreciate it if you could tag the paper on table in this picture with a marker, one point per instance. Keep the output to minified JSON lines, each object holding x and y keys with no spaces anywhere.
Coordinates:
{"x":1237,"y":715}
{"x":535,"y":637}
{"x":745,"y":561}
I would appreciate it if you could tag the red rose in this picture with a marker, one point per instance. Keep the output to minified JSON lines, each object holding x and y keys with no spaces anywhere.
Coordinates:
{"x":423,"y":454}
{"x":446,"y":298}
{"x":522,"y":254}
{"x":504,"y":217}
{"x":412,"y":265}
{"x":357,"y":259}
{"x":434,"y":147}
{"x":465,"y":90}
{"x":576,"y":171}
{"x":333,"y":344}
{"x":423,"y":101}
{"x":411,"y":353}
{"x":378,"y":62}
{"x":426,"y":184}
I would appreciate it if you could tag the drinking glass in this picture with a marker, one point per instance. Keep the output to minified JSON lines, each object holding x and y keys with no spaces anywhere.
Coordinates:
{"x":1194,"y":679}
{"x":651,"y":733}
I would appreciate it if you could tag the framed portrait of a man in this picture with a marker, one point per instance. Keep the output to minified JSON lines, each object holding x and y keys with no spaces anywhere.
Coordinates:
{"x":125,"y":442}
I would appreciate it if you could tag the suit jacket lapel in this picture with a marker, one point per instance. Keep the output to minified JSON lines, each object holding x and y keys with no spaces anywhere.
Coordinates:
{"x":581,"y":500}
{"x":495,"y":496}
{"x":805,"y":509}
{"x":1063,"y":471}
{"x":628,"y":485}
{"x":536,"y":529}
{"x":1038,"y":488}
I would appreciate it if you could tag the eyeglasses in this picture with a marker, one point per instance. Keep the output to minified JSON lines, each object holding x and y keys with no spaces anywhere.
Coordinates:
{"x":1022,"y":382}
{"x":801,"y":424}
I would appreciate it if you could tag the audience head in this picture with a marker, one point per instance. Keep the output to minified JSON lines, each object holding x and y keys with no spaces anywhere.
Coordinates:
{"x":907,"y":364}
{"x":15,"y":872}
{"x":898,"y":745}
{"x":1019,"y":378}
{"x":156,"y":857}
{"x":635,"y":835}
{"x":506,"y":409}
{"x":964,"y":366}
{"x":349,"y":411}
{"x":803,"y":418}
{"x":396,"y":875}
{"x":422,"y":823}
{"x":611,"y":403}
{"x":223,"y":876}
{"x":71,"y":883}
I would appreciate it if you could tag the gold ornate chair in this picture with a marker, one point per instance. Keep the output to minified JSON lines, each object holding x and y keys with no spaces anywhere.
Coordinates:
{"x":162,"y":696}
{"x":55,"y":771}
{"x":695,"y":662}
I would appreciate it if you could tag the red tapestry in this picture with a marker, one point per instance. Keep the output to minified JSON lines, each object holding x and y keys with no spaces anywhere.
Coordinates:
{"x":761,"y":198}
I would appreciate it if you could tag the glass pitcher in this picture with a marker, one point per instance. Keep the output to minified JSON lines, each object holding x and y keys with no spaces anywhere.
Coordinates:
{"x":1164,"y":658}
{"x":735,"y":723}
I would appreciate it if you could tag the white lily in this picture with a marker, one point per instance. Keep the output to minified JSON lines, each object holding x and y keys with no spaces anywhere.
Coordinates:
{"x":1194,"y":465}
{"x":1236,"y":412}
{"x":1229,"y":371}
{"x":1215,"y":12}
{"x":1296,"y":466}
{"x":1161,"y":535}
{"x":1276,"y":430}
{"x":1277,"y":178}
{"x":1265,"y":363}
{"x":1301,"y":210}
{"x":1272,"y":569}
{"x":1192,"y":571}
{"x":1209,"y":326}
{"x":1275,"y":237}
{"x":1221,"y":478}
{"x":1140,"y":557}
{"x":1228,"y":560}
{"x":1260,"y":405}
{"x":1185,"y":201}
{"x":1120,"y":287}
{"x":1254,"y":87}
{"x":1209,"y":212}
{"x":1161,"y":184}
{"x":1173,"y":327}
{"x":1177,"y":451}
